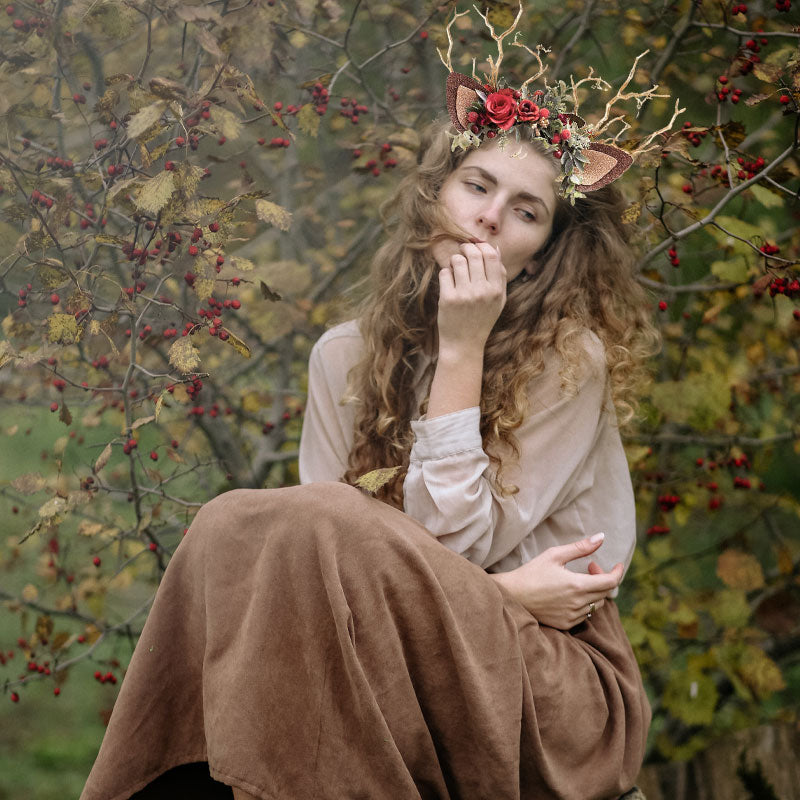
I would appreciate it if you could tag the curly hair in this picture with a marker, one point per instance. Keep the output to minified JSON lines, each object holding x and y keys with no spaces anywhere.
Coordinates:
{"x":583,"y":280}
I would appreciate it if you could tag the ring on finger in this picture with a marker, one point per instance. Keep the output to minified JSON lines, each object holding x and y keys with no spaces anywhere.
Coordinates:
{"x":590,"y":611}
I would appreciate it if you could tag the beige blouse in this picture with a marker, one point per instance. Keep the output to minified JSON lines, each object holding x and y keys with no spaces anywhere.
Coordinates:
{"x":572,"y":472}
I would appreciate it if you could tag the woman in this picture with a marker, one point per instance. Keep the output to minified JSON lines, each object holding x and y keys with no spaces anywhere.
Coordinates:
{"x":314,"y":642}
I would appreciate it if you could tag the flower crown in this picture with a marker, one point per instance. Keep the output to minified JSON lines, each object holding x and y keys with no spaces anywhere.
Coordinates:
{"x":489,"y":109}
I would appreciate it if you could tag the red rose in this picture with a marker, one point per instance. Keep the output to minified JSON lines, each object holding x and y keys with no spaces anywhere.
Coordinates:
{"x":501,"y":110}
{"x":528,"y":111}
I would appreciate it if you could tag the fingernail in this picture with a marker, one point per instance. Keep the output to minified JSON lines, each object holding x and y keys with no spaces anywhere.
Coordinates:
{"x":598,"y":537}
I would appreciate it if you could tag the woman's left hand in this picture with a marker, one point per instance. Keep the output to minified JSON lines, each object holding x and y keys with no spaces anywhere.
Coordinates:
{"x":555,"y":595}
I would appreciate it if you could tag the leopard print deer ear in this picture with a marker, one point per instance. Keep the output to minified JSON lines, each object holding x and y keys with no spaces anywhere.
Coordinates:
{"x":462,"y":92}
{"x":606,"y":164}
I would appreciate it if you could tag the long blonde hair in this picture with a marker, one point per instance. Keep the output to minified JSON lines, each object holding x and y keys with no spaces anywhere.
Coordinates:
{"x":583,"y":279}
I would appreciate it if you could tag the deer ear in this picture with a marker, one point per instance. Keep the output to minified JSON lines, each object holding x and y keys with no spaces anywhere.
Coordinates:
{"x":606,"y":164}
{"x":461,"y":94}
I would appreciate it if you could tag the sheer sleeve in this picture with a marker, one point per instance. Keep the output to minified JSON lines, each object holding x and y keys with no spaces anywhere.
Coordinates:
{"x":448,"y":487}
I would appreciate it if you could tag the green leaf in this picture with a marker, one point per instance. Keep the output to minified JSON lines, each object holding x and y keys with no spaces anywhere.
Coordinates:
{"x":700,"y":400}
{"x":691,"y":697}
{"x":767,"y":198}
{"x":734,"y":270}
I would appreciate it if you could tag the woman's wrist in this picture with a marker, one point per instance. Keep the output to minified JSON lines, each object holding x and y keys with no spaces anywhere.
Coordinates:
{"x":456,"y":382}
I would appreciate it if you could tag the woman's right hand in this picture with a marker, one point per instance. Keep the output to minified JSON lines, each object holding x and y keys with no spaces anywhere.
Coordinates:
{"x":472,"y":293}
{"x":555,"y":595}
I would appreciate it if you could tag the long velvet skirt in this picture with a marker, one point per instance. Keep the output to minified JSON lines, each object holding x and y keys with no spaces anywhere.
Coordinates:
{"x":313,"y":643}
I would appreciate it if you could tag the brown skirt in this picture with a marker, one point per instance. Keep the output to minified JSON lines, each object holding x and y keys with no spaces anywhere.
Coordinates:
{"x":312,"y":642}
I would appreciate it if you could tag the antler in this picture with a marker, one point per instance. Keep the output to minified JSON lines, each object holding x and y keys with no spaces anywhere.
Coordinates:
{"x":447,"y":62}
{"x":596,"y":81}
{"x":495,"y":65}
{"x":535,"y":53}
{"x":645,"y":144}
{"x":640,"y":97}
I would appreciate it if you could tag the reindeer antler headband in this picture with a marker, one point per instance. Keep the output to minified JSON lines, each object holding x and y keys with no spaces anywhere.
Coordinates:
{"x":489,"y":109}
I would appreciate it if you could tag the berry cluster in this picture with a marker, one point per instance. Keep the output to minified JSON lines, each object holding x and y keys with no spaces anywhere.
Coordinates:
{"x":673,"y":257}
{"x":784,"y":286}
{"x":694,"y":137}
{"x":351,"y":109}
{"x":739,"y":8}
{"x":668,"y":501}
{"x":769,"y":249}
{"x":109,"y":677}
{"x":127,"y":448}
{"x":749,"y":57}
{"x":783,"y":5}
{"x":724,"y":91}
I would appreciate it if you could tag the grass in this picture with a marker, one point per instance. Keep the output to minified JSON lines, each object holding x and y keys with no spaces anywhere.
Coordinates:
{"x":48,"y":743}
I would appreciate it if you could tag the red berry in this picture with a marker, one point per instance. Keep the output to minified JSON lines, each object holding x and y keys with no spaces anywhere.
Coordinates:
{"x":54,"y":299}
{"x":662,"y":305}
{"x":56,"y":691}
{"x":423,"y":34}
{"x":785,"y":99}
{"x":54,"y":406}
{"x":14,"y":697}
{"x":193,"y":250}
{"x":214,"y":226}
{"x":96,"y":561}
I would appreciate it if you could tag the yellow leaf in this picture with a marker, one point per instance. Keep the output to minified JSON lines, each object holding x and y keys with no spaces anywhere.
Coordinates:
{"x":143,"y":120}
{"x":53,"y":507}
{"x":159,"y":404}
{"x":62,"y":329}
{"x":155,"y":193}
{"x":87,"y":528}
{"x":273,"y":214}
{"x":203,"y":287}
{"x":308,"y":119}
{"x":375,"y":479}
{"x":238,"y":344}
{"x":141,"y":421}
{"x":241,"y":264}
{"x":740,"y":570}
{"x":227,"y":122}
{"x":183,"y":355}
{"x":60,"y":445}
{"x":44,"y":626}
{"x":30,"y":483}
{"x":102,"y":459}
{"x":759,"y":672}
{"x":60,"y":640}
{"x":632,"y":213}
{"x":30,"y":593}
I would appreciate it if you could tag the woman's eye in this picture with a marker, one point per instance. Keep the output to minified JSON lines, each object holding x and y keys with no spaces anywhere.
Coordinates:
{"x":528,"y":216}
{"x":476,"y":186}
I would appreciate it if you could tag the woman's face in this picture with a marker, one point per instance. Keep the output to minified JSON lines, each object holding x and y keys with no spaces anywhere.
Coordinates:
{"x":504,"y":197}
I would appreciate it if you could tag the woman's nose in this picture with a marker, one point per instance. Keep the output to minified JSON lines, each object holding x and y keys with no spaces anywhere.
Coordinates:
{"x":489,"y":217}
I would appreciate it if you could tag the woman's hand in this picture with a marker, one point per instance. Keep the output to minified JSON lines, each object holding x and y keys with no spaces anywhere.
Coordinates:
{"x":555,"y":595}
{"x":472,"y":293}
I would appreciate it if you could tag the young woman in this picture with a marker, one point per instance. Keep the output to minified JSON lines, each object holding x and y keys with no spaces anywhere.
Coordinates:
{"x":455,"y":637}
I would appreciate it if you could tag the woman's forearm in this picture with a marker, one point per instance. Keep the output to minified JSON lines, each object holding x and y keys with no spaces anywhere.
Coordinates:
{"x":456,"y":382}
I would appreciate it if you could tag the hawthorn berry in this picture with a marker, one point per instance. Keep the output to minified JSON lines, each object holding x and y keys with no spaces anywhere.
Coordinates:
{"x":784,"y":99}
{"x":662,"y":305}
{"x":96,"y":561}
{"x":214,"y":227}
